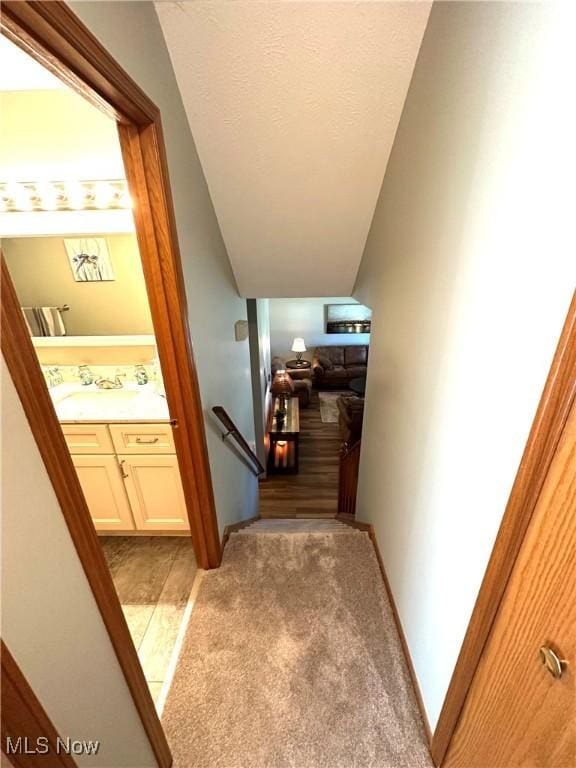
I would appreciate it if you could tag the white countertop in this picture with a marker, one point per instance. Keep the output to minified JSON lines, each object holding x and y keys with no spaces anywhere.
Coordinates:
{"x":131,"y":402}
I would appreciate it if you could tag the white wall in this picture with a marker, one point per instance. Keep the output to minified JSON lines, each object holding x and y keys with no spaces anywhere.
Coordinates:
{"x":50,"y":621}
{"x":307,"y":318}
{"x":469,"y":269}
{"x":56,"y":135}
{"x":213,"y":301}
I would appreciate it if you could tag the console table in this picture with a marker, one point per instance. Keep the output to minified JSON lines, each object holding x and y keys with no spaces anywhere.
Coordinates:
{"x":283,"y":453}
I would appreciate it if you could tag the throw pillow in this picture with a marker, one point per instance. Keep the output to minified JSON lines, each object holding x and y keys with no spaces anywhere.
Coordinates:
{"x":325,"y":362}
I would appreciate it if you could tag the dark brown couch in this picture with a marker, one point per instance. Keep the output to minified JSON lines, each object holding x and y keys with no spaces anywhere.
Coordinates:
{"x":335,"y":367}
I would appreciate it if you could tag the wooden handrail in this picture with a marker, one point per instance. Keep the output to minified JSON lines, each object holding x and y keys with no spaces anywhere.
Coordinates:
{"x":233,"y":431}
{"x":348,"y":478}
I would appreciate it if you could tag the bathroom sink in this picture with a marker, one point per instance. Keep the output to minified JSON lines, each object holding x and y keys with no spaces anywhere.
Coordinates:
{"x":110,"y":404}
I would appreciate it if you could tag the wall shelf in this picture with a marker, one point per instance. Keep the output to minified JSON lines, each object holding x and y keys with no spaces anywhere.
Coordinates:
{"x":136,"y":340}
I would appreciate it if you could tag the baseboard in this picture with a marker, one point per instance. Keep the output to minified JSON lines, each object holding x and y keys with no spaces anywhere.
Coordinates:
{"x":417,"y":693}
{"x":237,"y":527}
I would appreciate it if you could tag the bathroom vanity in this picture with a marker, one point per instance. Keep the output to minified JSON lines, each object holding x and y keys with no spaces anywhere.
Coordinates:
{"x":123,"y":450}
{"x":101,"y":366}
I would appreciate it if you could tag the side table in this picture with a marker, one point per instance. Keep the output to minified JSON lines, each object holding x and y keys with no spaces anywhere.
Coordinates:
{"x":298,"y":365}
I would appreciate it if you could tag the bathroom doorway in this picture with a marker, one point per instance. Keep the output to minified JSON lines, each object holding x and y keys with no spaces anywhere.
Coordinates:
{"x":70,"y":247}
{"x":58,"y":42}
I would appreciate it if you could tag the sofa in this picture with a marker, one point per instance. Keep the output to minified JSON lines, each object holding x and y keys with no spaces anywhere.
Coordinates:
{"x":350,"y":416}
{"x":334,"y":367}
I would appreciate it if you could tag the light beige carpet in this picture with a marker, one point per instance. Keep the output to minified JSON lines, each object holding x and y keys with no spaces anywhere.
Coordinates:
{"x":291,"y":658}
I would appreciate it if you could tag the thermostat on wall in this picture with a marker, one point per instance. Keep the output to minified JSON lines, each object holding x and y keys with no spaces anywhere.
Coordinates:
{"x":241,"y":330}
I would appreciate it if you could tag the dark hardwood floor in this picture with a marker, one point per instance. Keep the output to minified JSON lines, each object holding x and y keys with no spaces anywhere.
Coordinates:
{"x":313,"y":492}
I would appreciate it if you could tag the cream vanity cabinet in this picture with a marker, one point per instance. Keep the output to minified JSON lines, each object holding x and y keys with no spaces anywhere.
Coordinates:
{"x":104,"y":492}
{"x":130,"y":477}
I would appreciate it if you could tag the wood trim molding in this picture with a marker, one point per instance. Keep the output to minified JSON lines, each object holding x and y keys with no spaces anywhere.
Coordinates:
{"x":28,"y":379}
{"x":369,"y":529}
{"x":52,"y":34}
{"x":23,"y":716}
{"x":146,"y":170}
{"x":548,"y":425}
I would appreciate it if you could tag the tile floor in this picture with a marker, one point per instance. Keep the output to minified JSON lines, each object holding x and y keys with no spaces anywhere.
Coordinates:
{"x":153,"y":576}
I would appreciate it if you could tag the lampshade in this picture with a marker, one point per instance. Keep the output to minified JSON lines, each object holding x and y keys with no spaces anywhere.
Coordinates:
{"x":298,"y":345}
{"x":282,"y":384}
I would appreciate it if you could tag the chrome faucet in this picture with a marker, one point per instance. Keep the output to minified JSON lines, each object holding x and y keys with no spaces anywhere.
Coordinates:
{"x":85,"y":375}
{"x":54,"y":376}
{"x":109,"y":384}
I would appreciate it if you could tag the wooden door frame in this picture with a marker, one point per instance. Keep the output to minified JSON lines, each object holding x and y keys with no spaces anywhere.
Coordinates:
{"x":547,"y":428}
{"x":53,"y":35}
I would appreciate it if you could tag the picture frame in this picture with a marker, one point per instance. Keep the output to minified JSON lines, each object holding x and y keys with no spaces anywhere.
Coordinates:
{"x":89,"y":259}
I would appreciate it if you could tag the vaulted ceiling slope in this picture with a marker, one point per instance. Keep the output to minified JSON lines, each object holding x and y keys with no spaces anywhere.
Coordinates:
{"x":294,"y":107}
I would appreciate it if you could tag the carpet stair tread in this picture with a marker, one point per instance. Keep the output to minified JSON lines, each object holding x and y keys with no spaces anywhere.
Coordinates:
{"x":291,"y":657}
{"x":287,"y":525}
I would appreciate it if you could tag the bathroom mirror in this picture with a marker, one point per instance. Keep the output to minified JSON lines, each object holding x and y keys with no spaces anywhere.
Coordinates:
{"x":63,"y":298}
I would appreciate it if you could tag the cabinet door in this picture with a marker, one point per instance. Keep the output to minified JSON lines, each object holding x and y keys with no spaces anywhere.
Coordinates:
{"x":155,"y":492}
{"x":101,"y":481}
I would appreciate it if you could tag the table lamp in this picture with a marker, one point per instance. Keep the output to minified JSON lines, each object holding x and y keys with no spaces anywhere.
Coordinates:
{"x":299,"y":347}
{"x":282,"y":387}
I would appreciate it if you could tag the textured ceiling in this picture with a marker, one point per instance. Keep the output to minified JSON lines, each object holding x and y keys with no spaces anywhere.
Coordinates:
{"x":294,"y":107}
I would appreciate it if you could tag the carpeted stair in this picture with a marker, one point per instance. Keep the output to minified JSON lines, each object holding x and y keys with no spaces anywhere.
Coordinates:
{"x":292,"y":525}
{"x":292,"y":659}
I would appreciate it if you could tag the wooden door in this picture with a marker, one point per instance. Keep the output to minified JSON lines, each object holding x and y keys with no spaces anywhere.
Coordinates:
{"x":517,"y":715}
{"x":155,"y":492}
{"x":103,"y":487}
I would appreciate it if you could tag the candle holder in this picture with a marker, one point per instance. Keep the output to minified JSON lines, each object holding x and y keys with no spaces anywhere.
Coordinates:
{"x":280,"y":417}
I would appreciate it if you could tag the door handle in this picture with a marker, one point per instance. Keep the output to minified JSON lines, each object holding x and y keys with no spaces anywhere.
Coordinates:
{"x":551,"y":662}
{"x":124,"y":474}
